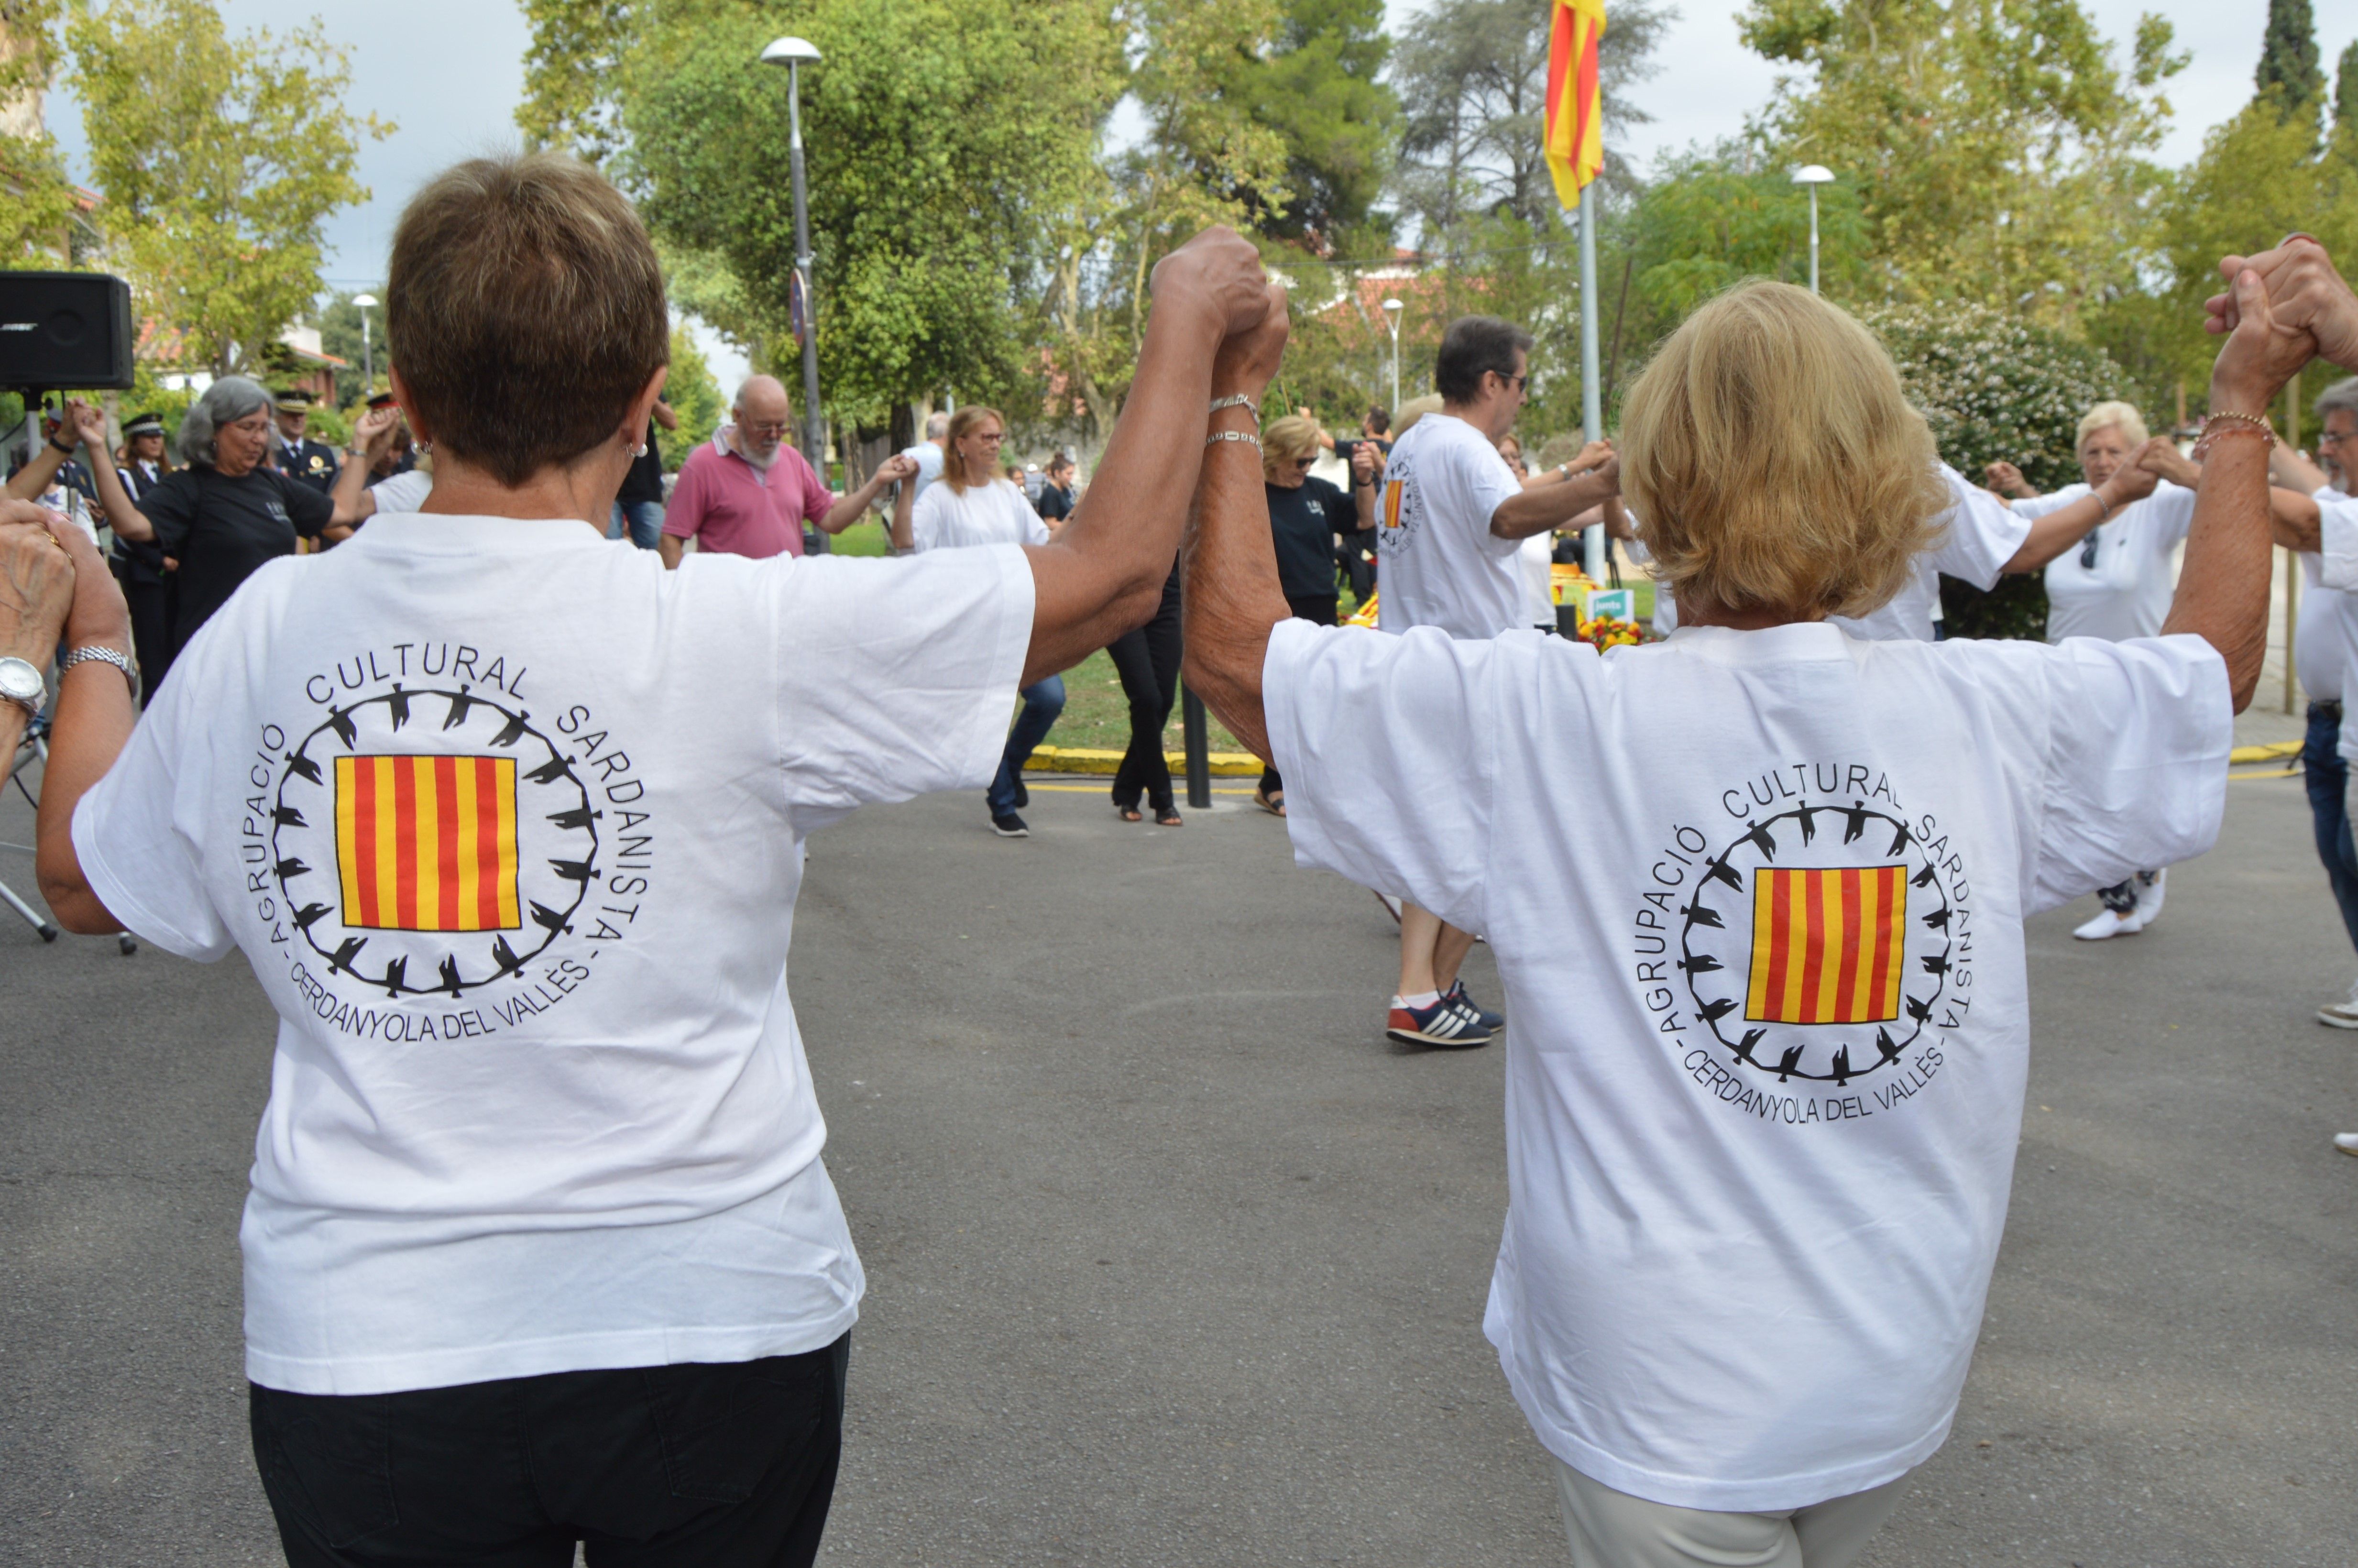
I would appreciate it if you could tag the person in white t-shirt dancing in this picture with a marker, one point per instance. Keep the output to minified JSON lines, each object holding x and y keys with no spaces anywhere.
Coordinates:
{"x":2116,"y":584}
{"x":1450,"y":530}
{"x":971,"y":505}
{"x":1756,"y":894}
{"x":540,"y":1249}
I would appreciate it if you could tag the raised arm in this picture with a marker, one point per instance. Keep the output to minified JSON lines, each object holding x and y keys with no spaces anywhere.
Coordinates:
{"x":1364,"y":485}
{"x":94,"y":720}
{"x":1555,"y":498}
{"x":30,"y":481}
{"x":854,"y":506}
{"x":1104,"y":574}
{"x":2222,"y":591}
{"x":904,"y":506}
{"x":127,"y":520}
{"x":354,"y":501}
{"x":1232,"y":597}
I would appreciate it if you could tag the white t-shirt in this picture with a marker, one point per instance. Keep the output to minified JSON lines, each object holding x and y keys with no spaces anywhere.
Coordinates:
{"x":929,"y":469}
{"x":404,"y":491}
{"x":2337,"y":569}
{"x":1759,"y":1137}
{"x":2127,"y":593}
{"x":2325,"y":639}
{"x":1980,"y":536}
{"x":992,"y":513}
{"x":510,"y":825}
{"x":1536,"y":561}
{"x":1442,"y":564}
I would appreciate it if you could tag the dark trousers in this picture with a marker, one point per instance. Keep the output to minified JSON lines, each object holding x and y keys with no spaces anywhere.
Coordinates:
{"x":2329,"y":810}
{"x":1147,"y":660}
{"x":730,"y":1464}
{"x":1320,"y":609}
{"x":1042,"y":700}
{"x":151,"y":632}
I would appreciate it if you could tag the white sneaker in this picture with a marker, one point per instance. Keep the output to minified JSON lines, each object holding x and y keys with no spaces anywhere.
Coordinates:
{"x":2107,"y":923}
{"x":2346,"y":1141}
{"x":2340,"y":1015}
{"x":2149,"y":898}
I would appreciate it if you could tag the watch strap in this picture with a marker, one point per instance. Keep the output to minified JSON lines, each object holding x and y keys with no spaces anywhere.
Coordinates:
{"x":31,"y":705}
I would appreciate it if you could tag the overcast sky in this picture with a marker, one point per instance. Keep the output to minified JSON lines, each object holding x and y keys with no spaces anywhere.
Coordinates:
{"x":448,"y":73}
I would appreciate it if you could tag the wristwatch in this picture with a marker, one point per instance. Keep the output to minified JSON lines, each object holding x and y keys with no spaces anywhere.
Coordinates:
{"x":99,"y":653}
{"x":21,"y":683}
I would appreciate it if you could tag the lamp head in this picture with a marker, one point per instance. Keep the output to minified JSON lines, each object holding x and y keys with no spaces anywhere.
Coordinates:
{"x":365,"y":302}
{"x":1394,"y":306}
{"x":1814,"y":174}
{"x":790,"y":51}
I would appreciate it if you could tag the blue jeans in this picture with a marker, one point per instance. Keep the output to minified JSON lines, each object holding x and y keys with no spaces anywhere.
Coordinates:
{"x":643,"y":518}
{"x":1042,"y":703}
{"x":2329,"y":810}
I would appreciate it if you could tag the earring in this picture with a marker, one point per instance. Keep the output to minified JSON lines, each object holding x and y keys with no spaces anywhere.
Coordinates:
{"x":640,"y":450}
{"x":426,"y":448}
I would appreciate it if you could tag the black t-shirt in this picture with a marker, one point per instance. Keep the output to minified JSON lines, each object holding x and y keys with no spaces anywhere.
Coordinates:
{"x":1304,"y":523}
{"x":644,"y":481}
{"x":222,"y":530}
{"x":1055,"y":503}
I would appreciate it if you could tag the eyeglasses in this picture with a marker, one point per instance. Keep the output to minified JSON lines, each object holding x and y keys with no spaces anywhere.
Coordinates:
{"x":2335,"y":438}
{"x":773,"y":428}
{"x":1515,"y":382}
{"x":1305,"y":462}
{"x":2088,"y":551}
{"x":992,"y":439}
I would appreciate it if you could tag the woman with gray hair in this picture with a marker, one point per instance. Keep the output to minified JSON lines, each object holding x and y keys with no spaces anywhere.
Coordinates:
{"x":226,"y":513}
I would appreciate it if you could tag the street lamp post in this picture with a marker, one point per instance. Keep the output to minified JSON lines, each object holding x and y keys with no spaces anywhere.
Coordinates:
{"x":368,"y":357}
{"x":794,"y":54}
{"x":1813,"y":174}
{"x":1393,"y":309}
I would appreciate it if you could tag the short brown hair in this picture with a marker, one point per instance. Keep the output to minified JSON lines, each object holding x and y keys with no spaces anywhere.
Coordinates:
{"x":524,"y":310}
{"x":963,"y":424}
{"x":1773,"y":461}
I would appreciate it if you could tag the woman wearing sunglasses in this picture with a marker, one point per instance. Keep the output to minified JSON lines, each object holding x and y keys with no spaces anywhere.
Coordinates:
{"x":2116,"y":585}
{"x":1305,"y":515}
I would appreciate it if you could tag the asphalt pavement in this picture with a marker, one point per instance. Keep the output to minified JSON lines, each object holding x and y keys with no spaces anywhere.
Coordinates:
{"x":1173,"y":1261}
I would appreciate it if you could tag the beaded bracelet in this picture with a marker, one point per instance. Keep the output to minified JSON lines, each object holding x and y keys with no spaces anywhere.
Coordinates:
{"x":1232,"y":435}
{"x":1236,"y":400}
{"x":2223,"y":423}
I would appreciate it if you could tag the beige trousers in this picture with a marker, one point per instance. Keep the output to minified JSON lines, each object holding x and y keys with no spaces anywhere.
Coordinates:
{"x":1614,"y":1529}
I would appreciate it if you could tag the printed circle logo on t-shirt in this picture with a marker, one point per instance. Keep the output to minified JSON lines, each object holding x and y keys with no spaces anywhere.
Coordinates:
{"x":1400,"y":506}
{"x":440,"y":857}
{"x":1817,"y":948}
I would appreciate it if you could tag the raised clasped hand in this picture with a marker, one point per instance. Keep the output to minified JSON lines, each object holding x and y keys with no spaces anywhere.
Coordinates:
{"x":2160,"y":457}
{"x":1249,"y":354}
{"x":2265,"y":347}
{"x":37,"y":581}
{"x":1221,"y":268}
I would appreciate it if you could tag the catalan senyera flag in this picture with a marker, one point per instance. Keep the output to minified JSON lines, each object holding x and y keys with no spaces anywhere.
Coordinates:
{"x":427,"y":843}
{"x":1827,"y":945}
{"x":1391,"y":502}
{"x":1576,"y":115}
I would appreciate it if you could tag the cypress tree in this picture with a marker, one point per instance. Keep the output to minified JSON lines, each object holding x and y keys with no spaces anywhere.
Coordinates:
{"x":2345,"y":93}
{"x":2288,"y":55}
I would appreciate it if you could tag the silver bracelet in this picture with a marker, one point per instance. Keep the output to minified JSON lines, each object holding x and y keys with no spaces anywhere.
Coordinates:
{"x":98,"y":653}
{"x":1232,"y":435}
{"x":1236,"y":400}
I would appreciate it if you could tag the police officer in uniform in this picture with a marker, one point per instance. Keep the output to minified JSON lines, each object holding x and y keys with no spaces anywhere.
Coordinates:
{"x":139,"y":566}
{"x":293,"y":453}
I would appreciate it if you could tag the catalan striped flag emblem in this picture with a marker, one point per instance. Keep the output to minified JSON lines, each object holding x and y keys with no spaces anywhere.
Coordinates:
{"x":427,"y":843}
{"x":1826,"y":945}
{"x":1575,"y":114}
{"x":1393,"y":487}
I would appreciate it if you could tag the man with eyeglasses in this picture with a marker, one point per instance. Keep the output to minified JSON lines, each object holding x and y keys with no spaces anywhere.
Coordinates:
{"x":747,"y":493}
{"x":1450,"y":521}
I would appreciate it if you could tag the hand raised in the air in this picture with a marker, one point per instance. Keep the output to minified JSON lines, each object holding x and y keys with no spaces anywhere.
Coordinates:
{"x":1250,"y":355}
{"x":2161,"y":457}
{"x":2304,"y":292}
{"x":1219,"y":271}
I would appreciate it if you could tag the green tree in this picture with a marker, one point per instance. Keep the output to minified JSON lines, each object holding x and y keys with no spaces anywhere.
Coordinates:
{"x":934,"y":131}
{"x":1998,"y":153}
{"x":39,"y":202}
{"x":220,"y":158}
{"x":694,"y":395}
{"x":2345,"y":99}
{"x":2288,"y":65}
{"x":1710,"y":222}
{"x":1317,"y":86}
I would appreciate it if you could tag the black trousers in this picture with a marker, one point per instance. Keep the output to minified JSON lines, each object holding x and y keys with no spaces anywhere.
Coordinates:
{"x":1321,"y":611}
{"x":729,"y":1464}
{"x":1147,"y":660}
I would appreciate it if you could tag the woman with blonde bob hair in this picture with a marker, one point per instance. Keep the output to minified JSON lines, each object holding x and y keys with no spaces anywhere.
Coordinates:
{"x":2117,"y":583}
{"x":1305,"y":515}
{"x":1756,"y":894}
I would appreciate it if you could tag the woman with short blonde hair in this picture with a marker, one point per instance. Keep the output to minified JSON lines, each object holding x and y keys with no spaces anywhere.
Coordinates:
{"x":1757,"y":894}
{"x":2117,"y":583}
{"x":1306,"y":515}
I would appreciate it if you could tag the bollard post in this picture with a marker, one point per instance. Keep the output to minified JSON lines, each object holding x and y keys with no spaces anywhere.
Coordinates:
{"x":1198,"y":731}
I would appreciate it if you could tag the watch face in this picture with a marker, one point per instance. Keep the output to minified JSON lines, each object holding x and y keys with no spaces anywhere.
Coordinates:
{"x":20,"y":681}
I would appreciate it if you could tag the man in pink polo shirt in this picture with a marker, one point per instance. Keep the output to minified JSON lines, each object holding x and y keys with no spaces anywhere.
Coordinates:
{"x":746,"y":492}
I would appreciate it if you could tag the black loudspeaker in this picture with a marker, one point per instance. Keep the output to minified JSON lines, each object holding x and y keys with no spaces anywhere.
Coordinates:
{"x":64,"y":330}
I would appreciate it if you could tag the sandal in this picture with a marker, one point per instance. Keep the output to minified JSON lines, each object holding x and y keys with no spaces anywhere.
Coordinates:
{"x":1272,"y":804}
{"x":1127,"y":813}
{"x":1168,"y":817}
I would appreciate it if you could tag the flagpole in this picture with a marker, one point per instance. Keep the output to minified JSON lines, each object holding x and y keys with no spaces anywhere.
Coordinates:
{"x":1592,"y":407}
